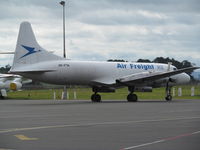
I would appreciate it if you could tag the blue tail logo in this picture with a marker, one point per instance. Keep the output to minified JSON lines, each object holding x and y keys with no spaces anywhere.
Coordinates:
{"x":31,"y":50}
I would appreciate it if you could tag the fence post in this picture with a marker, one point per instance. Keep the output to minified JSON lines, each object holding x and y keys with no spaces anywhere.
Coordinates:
{"x":62,"y":95}
{"x":54,"y":95}
{"x":67,"y":95}
{"x":179,"y":91}
{"x":75,"y":96}
{"x":174,"y":91}
{"x":192,"y":91}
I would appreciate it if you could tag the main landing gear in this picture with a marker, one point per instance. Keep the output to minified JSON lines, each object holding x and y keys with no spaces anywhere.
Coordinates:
{"x":131,"y":96}
{"x":168,"y":93}
{"x":96,"y":97}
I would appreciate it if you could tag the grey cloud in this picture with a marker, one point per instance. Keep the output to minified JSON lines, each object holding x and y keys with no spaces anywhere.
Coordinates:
{"x":169,"y":6}
{"x":104,"y":12}
{"x":118,"y":19}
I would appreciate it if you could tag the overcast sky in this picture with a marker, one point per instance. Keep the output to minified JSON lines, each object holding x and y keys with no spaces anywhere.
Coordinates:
{"x":107,"y":29}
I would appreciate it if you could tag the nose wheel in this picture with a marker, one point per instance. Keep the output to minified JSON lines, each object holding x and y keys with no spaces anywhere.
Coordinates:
{"x":168,"y":93}
{"x":168,"y":98}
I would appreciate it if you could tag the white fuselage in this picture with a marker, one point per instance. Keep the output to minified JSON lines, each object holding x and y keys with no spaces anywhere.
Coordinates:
{"x":65,"y":72}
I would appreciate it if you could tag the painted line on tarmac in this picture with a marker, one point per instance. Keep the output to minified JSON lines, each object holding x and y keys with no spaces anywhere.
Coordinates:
{"x":94,"y":124}
{"x":162,"y":140}
{"x":25,"y":138}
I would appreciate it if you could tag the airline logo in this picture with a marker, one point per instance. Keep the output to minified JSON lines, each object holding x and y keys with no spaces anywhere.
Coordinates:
{"x":30,"y":50}
{"x":135,"y":66}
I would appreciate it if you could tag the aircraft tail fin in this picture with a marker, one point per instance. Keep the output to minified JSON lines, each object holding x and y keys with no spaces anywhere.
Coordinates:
{"x":28,"y":51}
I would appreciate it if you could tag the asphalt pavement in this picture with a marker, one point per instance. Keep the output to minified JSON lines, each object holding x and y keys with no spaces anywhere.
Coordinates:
{"x":109,"y":125}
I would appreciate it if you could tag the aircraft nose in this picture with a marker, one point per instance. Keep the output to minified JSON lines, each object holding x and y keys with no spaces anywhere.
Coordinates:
{"x":185,"y":78}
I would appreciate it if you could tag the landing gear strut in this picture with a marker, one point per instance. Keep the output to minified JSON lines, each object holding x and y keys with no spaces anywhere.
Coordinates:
{"x":168,"y":93}
{"x":95,"y":97}
{"x":131,"y":96}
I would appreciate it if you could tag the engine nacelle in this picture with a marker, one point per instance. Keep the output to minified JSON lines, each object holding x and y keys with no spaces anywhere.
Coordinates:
{"x":15,"y":86}
{"x":144,"y":89}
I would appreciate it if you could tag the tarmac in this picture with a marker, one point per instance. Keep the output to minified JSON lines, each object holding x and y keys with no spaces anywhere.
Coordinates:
{"x":109,"y":125}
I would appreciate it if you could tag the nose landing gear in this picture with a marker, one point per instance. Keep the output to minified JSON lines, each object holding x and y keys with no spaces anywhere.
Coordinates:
{"x":168,"y":93}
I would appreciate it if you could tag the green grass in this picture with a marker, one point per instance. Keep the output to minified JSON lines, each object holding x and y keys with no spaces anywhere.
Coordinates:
{"x":85,"y":93}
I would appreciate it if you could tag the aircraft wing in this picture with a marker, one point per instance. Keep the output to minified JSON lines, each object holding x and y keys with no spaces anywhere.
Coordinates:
{"x":103,"y":82}
{"x":150,"y":76}
{"x":7,"y":52}
{"x":9,"y":76}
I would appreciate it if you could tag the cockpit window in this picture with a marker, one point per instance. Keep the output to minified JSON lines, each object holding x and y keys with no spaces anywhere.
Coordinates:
{"x":174,"y":68}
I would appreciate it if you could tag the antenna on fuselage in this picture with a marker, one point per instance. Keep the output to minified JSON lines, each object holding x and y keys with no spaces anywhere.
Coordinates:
{"x":169,"y":64}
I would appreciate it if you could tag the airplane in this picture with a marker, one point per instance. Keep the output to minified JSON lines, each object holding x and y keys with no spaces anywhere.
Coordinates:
{"x":34,"y":62}
{"x":10,"y":82}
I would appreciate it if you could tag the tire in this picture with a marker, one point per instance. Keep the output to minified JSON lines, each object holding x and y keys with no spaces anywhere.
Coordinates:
{"x":168,"y":98}
{"x":2,"y":97}
{"x":132,"y":98}
{"x":96,"y":98}
{"x":93,"y":97}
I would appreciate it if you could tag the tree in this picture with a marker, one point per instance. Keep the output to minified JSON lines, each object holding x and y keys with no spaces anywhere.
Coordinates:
{"x":5,"y":69}
{"x":176,"y":63}
{"x":160,"y":60}
{"x":144,"y":60}
{"x":116,"y":60}
{"x":186,"y":63}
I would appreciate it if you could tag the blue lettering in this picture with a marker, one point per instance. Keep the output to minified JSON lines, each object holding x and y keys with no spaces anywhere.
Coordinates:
{"x":136,"y":66}
{"x":119,"y":66}
{"x":145,"y":67}
{"x":140,"y":66}
{"x":160,"y":67}
{"x":131,"y":65}
{"x":122,"y":66}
